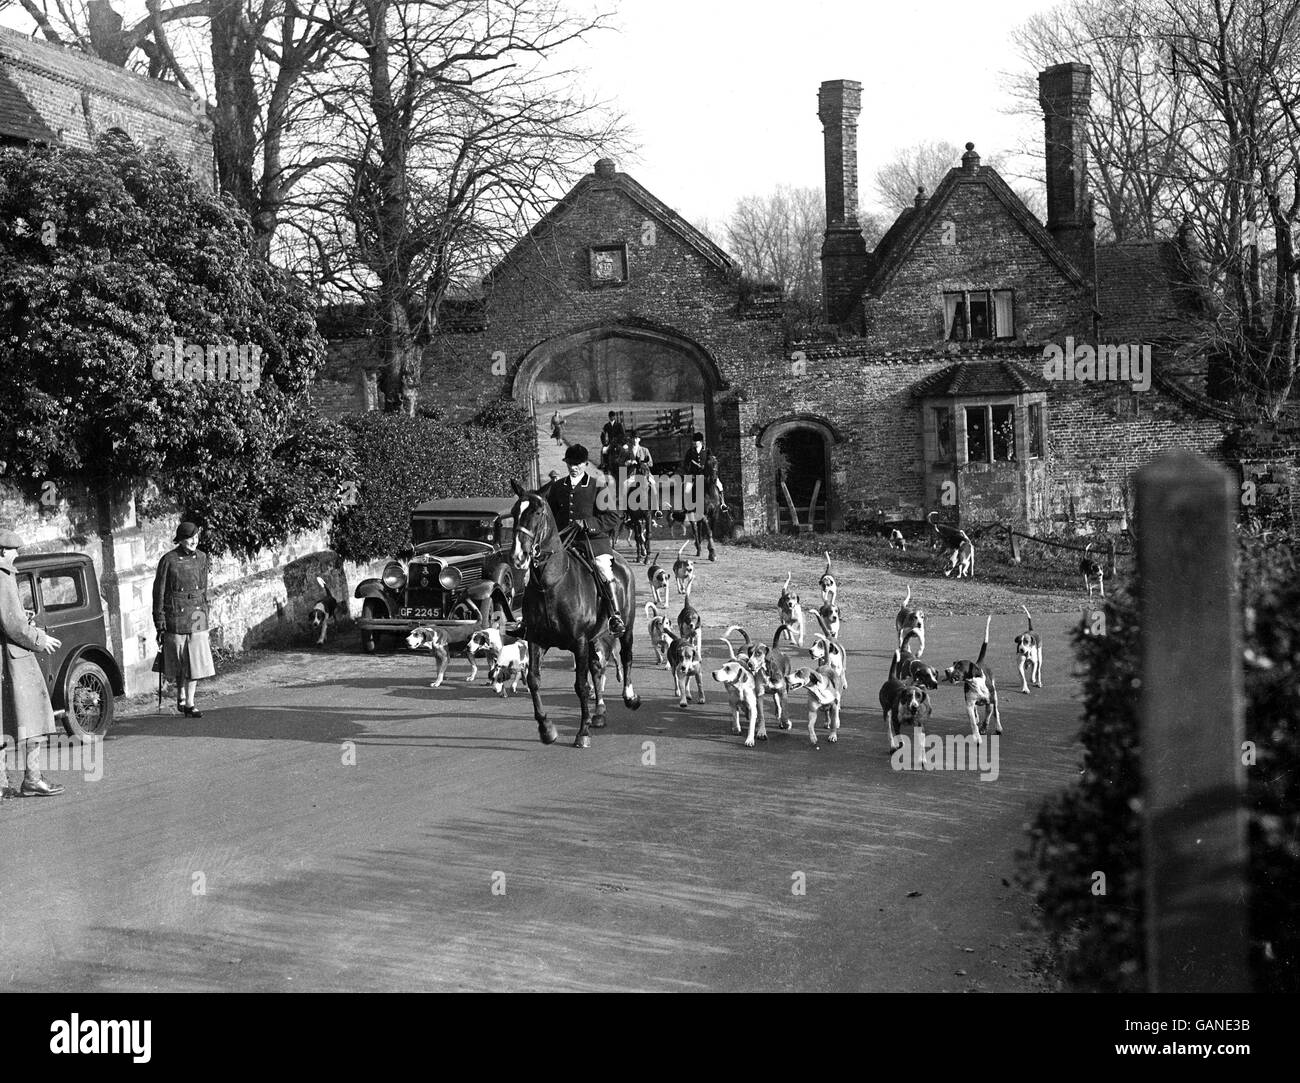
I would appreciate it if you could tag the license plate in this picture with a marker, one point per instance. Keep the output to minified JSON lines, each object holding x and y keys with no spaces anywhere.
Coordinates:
{"x":420,"y":612}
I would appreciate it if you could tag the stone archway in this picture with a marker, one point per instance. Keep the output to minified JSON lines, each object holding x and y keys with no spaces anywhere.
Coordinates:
{"x":655,"y":381}
{"x":797,"y":450}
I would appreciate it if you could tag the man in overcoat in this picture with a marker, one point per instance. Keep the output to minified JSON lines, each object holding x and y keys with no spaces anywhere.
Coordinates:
{"x":575,"y":499}
{"x":26,"y":713}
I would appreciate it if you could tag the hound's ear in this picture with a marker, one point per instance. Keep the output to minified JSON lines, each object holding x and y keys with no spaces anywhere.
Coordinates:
{"x":519,"y":489}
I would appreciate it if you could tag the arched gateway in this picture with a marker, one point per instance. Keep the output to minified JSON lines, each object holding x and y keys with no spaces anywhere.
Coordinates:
{"x":656,"y":382}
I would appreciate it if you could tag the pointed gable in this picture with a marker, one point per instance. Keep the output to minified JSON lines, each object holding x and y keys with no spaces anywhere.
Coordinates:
{"x":607,"y":179}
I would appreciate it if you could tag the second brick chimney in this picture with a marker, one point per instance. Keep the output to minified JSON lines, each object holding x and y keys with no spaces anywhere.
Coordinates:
{"x":1064,"y":92}
{"x":844,"y":251}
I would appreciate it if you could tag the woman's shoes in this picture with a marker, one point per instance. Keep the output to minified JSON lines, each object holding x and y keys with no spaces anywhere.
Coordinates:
{"x":189,"y":712}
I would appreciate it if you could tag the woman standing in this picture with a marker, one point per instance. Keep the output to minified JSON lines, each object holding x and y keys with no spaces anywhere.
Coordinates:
{"x":180,"y":613}
{"x":24,"y":698}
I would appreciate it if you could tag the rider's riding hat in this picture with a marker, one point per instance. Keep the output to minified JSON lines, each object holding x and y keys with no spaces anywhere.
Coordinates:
{"x":575,"y":454}
{"x":698,"y":436}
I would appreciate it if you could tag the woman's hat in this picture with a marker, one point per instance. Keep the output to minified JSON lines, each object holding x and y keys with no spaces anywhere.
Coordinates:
{"x":575,"y":454}
{"x":185,"y":530}
{"x":698,"y":436}
{"x":10,"y":539}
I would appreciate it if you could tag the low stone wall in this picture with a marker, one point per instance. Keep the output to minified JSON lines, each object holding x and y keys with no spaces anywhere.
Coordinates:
{"x":255,"y":602}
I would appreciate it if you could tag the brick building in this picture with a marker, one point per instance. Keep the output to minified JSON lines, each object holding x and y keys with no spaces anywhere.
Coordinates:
{"x":926,"y":390}
{"x":55,"y":95}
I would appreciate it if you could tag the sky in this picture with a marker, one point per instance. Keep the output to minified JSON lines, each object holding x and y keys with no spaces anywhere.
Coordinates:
{"x":721,"y":95}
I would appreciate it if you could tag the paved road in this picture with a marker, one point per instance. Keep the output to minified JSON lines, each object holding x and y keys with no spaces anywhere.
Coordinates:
{"x":617,"y":875}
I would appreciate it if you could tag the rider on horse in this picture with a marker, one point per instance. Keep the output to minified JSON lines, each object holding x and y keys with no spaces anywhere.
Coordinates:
{"x":574,"y":500}
{"x":701,"y":467}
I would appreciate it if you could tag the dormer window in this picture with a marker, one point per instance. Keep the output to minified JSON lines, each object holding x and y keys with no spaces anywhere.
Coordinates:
{"x":970,"y":315}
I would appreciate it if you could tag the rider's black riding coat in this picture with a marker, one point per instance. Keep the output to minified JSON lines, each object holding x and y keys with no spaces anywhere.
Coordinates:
{"x":577,"y":503}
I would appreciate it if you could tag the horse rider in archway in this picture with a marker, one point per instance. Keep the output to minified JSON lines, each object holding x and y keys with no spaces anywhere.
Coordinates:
{"x":577,"y":499}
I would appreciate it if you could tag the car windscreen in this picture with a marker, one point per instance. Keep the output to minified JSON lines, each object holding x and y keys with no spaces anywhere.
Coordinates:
{"x":427,"y":529}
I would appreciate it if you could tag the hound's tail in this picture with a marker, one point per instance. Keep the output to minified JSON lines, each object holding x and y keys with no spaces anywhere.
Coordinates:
{"x":984,"y":647}
{"x":655,"y":563}
{"x":325,"y":587}
{"x":737,"y":628}
{"x":895,"y":665}
{"x":683,"y":548}
{"x":822,"y":621}
{"x":786,"y":588}
{"x":909,"y":595}
{"x":651,"y":612}
{"x":828,"y":563}
{"x":782,"y":630}
{"x":730,"y":648}
{"x":1028,"y":617}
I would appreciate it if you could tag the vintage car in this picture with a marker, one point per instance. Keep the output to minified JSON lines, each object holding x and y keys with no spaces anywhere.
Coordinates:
{"x":60,"y":592}
{"x":456,"y":575}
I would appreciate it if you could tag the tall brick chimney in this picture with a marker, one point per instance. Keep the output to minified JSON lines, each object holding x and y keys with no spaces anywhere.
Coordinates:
{"x":844,"y":252}
{"x":1064,"y":92}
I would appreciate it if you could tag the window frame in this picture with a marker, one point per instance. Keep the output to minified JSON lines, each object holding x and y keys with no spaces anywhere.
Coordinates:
{"x":963,"y":307}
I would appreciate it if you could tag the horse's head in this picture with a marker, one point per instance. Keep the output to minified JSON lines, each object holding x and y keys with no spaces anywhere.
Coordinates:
{"x":534,"y":526}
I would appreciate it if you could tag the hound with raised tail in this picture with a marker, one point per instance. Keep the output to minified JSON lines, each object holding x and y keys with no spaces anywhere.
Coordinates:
{"x":323,"y":613}
{"x":659,"y":581}
{"x":429,"y":638}
{"x":689,"y":625}
{"x":914,"y":670}
{"x":910,"y":623}
{"x":742,"y":691}
{"x":962,"y":559}
{"x":485,"y":643}
{"x":791,"y":611}
{"x":943,"y":536}
{"x":826,"y":651}
{"x":684,"y":570}
{"x":824,"y":688}
{"x":1029,"y":652}
{"x":771,"y":668}
{"x":1091,"y":570}
{"x":684,"y":661}
{"x":827,"y":583}
{"x":903,"y":700}
{"x":979,"y":689}
{"x":510,"y":664}
{"x":656,"y":631}
{"x":896,"y":540}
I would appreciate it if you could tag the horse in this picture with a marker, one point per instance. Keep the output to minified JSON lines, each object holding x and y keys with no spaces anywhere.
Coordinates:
{"x":561,"y":608}
{"x":641,"y":502}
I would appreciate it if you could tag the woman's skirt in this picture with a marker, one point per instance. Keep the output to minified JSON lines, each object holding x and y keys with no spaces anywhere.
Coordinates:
{"x":187,"y":657}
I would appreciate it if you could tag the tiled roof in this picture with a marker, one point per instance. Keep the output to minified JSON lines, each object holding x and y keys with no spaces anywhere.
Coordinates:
{"x":1143,"y":293}
{"x":78,"y":69}
{"x":18,"y":119}
{"x":980,"y":378}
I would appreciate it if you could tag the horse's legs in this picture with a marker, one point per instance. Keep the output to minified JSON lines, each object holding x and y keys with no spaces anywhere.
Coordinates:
{"x":544,"y":728}
{"x":598,"y":666}
{"x":581,"y":674}
{"x":630,"y":698}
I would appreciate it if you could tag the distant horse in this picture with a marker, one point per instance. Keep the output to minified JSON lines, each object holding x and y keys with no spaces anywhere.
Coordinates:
{"x":642,"y":503}
{"x":561,"y":608}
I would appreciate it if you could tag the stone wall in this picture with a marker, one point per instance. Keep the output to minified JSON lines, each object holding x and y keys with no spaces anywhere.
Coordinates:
{"x":256,"y":602}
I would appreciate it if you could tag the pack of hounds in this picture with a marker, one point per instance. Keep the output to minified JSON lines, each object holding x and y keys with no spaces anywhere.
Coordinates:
{"x":760,"y":671}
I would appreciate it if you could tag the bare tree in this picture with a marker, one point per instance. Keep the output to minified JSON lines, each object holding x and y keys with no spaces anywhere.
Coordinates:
{"x":924,"y":165}
{"x":1199,"y":131}
{"x":442,"y":130}
{"x":777,"y":238}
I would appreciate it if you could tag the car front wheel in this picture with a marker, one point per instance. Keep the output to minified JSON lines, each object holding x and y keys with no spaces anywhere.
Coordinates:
{"x":369,"y":638}
{"x":89,"y":700}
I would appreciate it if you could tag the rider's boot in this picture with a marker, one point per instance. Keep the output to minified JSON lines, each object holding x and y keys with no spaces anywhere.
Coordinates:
{"x":695,"y":527}
{"x":606,"y":586}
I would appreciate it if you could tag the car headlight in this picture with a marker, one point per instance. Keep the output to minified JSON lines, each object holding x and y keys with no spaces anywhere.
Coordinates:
{"x":450,"y":578}
{"x":394,"y":576}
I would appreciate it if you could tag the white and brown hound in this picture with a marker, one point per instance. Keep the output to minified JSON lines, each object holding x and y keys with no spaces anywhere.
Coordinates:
{"x":1091,"y":570}
{"x":826,"y":651}
{"x":979,"y":689}
{"x":913,"y":669}
{"x":509,"y":664}
{"x":962,"y":559}
{"x":429,"y":638}
{"x":791,"y":611}
{"x":896,"y":540}
{"x":684,"y":662}
{"x":827,"y":583}
{"x":902,"y":700}
{"x":323,"y":613}
{"x":910,"y":623}
{"x":659,"y":581}
{"x":737,"y":676}
{"x":1029,"y":652}
{"x":825,"y":689}
{"x":684,"y":570}
{"x":771,"y":668}
{"x":656,"y":632}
